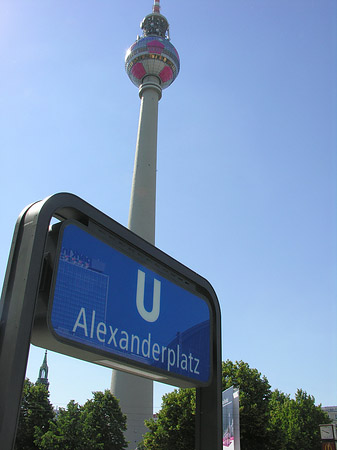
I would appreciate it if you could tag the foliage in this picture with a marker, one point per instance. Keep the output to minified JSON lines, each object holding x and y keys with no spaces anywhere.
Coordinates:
{"x":277,"y":424}
{"x":254,"y":399}
{"x":35,"y":413}
{"x":268,"y":420}
{"x":295,"y":422}
{"x":104,"y":423}
{"x":174,"y":427}
{"x":66,"y":432}
{"x":97,"y":425}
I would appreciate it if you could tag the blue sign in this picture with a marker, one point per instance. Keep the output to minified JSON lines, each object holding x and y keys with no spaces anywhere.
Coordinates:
{"x":121,"y":305}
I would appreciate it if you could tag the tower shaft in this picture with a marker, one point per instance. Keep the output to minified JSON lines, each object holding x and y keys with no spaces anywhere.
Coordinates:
{"x":143,"y":193}
{"x":135,"y":396}
{"x":152,"y":64}
{"x":135,"y":393}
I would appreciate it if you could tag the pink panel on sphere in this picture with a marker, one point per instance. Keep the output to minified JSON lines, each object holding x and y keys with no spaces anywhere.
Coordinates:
{"x":166,"y":74}
{"x":155,"y":47}
{"x":138,"y":70}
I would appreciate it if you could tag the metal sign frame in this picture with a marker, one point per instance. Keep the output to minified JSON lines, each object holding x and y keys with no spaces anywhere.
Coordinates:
{"x":122,"y":259}
{"x":19,"y":308}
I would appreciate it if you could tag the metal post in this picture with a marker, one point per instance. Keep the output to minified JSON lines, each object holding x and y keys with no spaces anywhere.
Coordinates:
{"x":17,"y":315}
{"x":208,"y":399}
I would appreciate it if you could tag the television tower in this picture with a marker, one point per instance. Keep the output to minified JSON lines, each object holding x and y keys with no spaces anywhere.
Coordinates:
{"x":152,"y":64}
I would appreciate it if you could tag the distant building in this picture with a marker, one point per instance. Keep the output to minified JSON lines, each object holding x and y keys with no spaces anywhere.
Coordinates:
{"x":332,"y":412}
{"x":83,"y":282}
{"x":43,"y":373}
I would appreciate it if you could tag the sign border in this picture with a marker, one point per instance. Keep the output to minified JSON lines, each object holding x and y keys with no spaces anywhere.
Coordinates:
{"x":19,"y":309}
{"x":179,"y":279}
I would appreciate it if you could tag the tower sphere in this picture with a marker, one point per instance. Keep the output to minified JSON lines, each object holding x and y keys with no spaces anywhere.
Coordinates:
{"x":153,"y":54}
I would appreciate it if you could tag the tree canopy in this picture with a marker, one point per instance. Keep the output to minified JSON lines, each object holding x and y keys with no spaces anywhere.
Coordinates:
{"x":254,"y":399}
{"x":103,"y":423}
{"x":174,"y":427}
{"x":35,"y":413}
{"x":66,"y":431}
{"x":293,"y":423}
{"x":97,"y":425}
{"x":268,"y":420}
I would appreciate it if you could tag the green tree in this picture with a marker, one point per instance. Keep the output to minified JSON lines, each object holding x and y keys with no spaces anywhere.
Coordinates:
{"x":295,"y":422}
{"x":104,"y":423}
{"x":97,"y":425}
{"x":66,"y":431}
{"x":254,"y":400}
{"x":268,"y":420}
{"x":35,"y":413}
{"x":278,"y":422}
{"x":174,"y":427}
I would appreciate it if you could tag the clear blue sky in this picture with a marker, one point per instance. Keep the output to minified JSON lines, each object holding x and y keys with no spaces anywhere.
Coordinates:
{"x":246,"y":161}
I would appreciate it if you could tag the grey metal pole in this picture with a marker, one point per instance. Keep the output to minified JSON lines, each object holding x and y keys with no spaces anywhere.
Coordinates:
{"x":136,"y":393}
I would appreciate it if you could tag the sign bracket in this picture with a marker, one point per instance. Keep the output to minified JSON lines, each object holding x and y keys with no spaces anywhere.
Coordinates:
{"x":19,"y":300}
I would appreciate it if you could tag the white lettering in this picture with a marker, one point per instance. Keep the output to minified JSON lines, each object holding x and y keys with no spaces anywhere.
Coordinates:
{"x":155,"y":351}
{"x":101,"y":329}
{"x":148,"y":342}
{"x":124,"y":342}
{"x":83,"y":325}
{"x":172,"y":359}
{"x":135,"y":338}
{"x":162,"y":353}
{"x":92,"y":324}
{"x":196,"y":366}
{"x":112,"y":337}
{"x":191,"y":359}
{"x":183,"y":364}
{"x":149,"y":316}
{"x":170,"y":362}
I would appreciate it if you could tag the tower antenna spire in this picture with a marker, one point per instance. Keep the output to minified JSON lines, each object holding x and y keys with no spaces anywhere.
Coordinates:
{"x":156,"y":7}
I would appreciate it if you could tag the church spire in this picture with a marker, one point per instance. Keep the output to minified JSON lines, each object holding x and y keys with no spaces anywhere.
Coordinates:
{"x":43,"y":373}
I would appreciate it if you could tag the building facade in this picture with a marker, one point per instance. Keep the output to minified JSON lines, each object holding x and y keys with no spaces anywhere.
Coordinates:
{"x":332,"y":413}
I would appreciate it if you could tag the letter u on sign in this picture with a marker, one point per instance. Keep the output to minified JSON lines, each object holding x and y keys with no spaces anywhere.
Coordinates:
{"x":149,"y":316}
